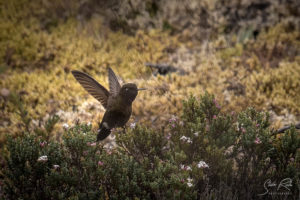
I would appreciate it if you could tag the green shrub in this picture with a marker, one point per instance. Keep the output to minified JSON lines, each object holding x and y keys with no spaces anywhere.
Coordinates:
{"x":203,"y":154}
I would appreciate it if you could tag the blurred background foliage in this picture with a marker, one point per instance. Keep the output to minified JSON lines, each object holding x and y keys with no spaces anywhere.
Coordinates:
{"x":247,"y":53}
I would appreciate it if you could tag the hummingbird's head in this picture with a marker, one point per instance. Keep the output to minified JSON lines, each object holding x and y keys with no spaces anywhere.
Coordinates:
{"x":129,"y":92}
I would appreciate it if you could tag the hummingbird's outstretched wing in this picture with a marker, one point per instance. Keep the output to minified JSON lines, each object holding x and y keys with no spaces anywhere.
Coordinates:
{"x":92,"y":86}
{"x":114,"y":85}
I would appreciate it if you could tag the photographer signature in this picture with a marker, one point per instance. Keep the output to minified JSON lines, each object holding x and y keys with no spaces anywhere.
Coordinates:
{"x":284,"y":183}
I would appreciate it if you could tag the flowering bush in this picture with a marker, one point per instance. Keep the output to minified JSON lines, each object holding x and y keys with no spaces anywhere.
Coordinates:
{"x":202,"y":154}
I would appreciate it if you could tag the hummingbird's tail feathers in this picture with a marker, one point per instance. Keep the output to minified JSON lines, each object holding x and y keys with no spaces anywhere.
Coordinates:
{"x":103,"y":133}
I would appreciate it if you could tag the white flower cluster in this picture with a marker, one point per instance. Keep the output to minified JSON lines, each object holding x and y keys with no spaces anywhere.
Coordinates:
{"x":43,"y":159}
{"x":65,"y":126}
{"x":55,"y":166}
{"x":202,"y":164}
{"x":186,"y":139}
{"x":187,"y":168}
{"x":189,"y":183}
{"x":132,"y":125}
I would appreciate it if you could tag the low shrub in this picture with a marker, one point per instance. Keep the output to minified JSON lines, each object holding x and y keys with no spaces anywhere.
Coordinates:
{"x":202,"y":154}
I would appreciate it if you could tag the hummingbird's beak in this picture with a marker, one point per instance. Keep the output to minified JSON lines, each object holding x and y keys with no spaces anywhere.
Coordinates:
{"x":142,"y":89}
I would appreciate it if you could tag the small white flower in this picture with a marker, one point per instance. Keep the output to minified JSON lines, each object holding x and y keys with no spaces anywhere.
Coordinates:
{"x":187,"y":168}
{"x":190,"y":184}
{"x":89,"y":123}
{"x":202,"y":164}
{"x":55,"y":166}
{"x":42,"y":159}
{"x":65,"y":126}
{"x":84,"y":133}
{"x":186,"y":139}
{"x":183,"y":138}
{"x":132,"y":125}
{"x":196,"y":134}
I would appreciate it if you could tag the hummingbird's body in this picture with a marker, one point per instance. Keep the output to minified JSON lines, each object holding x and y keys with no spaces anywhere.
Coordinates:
{"x":118,"y":101}
{"x":117,"y":115}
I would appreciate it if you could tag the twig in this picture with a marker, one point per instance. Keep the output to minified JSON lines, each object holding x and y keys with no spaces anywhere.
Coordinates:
{"x":282,"y":130}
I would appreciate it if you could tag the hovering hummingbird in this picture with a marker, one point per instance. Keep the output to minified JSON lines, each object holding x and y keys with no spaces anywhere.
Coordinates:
{"x":117,"y":101}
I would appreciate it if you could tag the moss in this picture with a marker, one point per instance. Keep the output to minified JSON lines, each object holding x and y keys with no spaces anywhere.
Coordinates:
{"x":229,"y":53}
{"x":279,"y":88}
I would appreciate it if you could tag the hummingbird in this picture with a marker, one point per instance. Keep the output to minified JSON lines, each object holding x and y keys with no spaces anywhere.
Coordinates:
{"x":117,"y":101}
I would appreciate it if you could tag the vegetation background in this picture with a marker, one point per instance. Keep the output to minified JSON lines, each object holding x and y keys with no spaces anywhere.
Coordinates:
{"x":245,"y":53}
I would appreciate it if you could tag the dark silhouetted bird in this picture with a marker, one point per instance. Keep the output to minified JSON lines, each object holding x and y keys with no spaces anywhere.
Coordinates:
{"x":117,"y":101}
